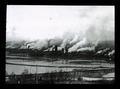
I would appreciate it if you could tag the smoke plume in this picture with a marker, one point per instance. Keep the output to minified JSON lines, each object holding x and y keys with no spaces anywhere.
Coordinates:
{"x":90,"y":27}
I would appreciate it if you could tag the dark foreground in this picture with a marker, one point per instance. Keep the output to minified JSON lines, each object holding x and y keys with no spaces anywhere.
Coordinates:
{"x":72,"y":77}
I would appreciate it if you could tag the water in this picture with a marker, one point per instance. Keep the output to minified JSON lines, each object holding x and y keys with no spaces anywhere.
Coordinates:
{"x":18,"y":69}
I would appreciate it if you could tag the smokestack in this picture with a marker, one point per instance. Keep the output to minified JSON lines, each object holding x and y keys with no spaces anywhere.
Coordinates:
{"x":66,"y":49}
{"x":56,"y":48}
{"x":48,"y":45}
{"x":62,"y":50}
{"x":28,"y":45}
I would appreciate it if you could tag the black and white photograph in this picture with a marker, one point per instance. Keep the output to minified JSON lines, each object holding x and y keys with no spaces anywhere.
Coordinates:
{"x":60,"y":44}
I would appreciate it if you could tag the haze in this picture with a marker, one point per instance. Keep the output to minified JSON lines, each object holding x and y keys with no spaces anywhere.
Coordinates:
{"x":33,"y":22}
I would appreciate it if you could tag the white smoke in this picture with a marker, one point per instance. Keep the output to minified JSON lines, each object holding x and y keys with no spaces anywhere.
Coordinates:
{"x":100,"y":51}
{"x":86,"y":49}
{"x":67,"y":37}
{"x":103,"y":51}
{"x":56,"y":41}
{"x":39,"y":44}
{"x":111,"y":53}
{"x":77,"y":45}
{"x":89,"y":25}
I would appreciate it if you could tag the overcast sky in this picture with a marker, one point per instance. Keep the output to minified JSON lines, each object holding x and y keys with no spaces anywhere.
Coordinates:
{"x":41,"y":22}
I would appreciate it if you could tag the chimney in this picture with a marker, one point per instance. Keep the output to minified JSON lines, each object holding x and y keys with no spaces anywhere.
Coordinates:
{"x":56,"y":48}
{"x":48,"y":45}
{"x":66,"y":49}
{"x":62,"y":50}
